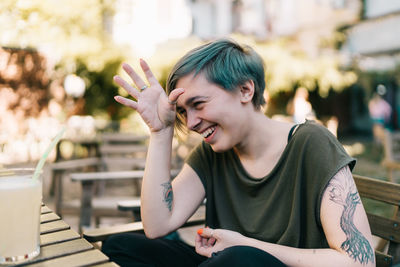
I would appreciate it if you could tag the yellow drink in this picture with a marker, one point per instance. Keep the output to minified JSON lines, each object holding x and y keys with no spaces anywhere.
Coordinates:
{"x":20,"y":202}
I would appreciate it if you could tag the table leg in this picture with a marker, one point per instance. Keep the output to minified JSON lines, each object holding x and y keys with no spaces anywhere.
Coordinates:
{"x":58,"y":191}
{"x":86,"y":204}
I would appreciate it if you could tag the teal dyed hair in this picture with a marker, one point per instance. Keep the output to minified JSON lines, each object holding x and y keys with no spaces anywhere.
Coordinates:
{"x":225,"y":63}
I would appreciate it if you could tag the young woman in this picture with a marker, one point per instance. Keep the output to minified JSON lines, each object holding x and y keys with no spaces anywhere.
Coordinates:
{"x":277,"y":193}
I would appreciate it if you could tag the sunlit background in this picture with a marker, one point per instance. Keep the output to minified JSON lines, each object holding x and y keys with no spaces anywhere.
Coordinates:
{"x":57,"y":59}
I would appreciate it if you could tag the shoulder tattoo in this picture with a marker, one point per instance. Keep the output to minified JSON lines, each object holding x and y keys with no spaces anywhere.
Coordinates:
{"x":343,"y":191}
{"x":167,"y":194}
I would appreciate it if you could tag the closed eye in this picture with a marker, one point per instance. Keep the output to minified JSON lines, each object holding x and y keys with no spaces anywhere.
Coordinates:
{"x":198,"y":104}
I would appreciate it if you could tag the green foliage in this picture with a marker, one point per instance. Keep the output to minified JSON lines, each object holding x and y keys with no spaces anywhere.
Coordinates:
{"x":64,"y":29}
{"x":100,"y":91}
{"x":72,"y":34}
{"x":287,"y":67}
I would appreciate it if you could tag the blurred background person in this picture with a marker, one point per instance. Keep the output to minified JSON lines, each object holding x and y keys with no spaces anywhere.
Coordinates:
{"x":300,"y":108}
{"x":380,"y":112}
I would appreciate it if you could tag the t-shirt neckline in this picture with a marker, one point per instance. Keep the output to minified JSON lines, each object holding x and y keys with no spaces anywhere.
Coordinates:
{"x":261,"y":179}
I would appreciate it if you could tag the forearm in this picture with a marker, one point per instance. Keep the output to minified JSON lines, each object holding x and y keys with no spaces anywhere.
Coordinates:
{"x":156,"y":195}
{"x":306,"y":257}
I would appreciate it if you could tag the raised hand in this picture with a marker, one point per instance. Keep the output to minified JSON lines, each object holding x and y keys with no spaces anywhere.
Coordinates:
{"x":154,"y":106}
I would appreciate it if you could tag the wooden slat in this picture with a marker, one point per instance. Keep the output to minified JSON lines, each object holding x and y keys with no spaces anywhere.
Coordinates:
{"x":45,"y":209}
{"x":125,"y":162}
{"x":101,"y":234}
{"x":75,"y":163}
{"x":107,"y":264}
{"x":90,"y":257}
{"x":122,"y":137}
{"x":94,"y":176}
{"x":394,"y":251}
{"x":383,"y":227}
{"x":57,"y":237}
{"x":62,"y":249}
{"x":107,"y":206}
{"x":122,"y":149}
{"x":383,"y":260}
{"x":49,"y":217}
{"x":54,"y":226}
{"x":120,"y":175}
{"x":378,"y":190}
{"x":129,"y":205}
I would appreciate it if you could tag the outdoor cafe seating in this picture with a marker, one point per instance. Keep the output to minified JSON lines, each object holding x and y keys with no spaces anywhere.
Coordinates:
{"x":121,"y":157}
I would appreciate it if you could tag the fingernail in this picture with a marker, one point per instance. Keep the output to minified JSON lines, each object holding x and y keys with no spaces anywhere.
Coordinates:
{"x":200,"y":231}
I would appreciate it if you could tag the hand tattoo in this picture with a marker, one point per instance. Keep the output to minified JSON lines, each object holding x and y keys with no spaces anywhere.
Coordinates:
{"x":346,"y":195}
{"x":168,"y":194}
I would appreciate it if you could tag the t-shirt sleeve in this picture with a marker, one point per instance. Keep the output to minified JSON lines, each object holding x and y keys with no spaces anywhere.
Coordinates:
{"x":324,"y":157}
{"x":199,"y":159}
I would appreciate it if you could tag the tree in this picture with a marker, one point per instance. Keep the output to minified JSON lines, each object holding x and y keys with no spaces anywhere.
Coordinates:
{"x":73,"y":36}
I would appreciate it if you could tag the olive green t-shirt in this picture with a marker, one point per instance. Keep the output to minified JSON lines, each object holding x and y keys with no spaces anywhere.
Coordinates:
{"x":282,"y":207}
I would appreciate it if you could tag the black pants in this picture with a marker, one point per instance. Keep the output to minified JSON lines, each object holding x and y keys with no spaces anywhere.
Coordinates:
{"x":137,"y":250}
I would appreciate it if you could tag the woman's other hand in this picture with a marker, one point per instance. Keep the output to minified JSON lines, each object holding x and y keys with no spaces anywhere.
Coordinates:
{"x":210,"y":240}
{"x":154,"y":106}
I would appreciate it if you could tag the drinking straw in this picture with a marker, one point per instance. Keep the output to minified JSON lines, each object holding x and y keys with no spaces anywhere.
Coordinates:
{"x":42,"y":160}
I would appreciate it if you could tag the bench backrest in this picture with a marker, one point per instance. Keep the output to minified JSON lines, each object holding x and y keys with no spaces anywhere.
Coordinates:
{"x":121,"y":151}
{"x":386,"y":228}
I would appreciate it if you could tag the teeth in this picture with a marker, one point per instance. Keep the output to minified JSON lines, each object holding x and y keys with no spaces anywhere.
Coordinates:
{"x":208,"y":132}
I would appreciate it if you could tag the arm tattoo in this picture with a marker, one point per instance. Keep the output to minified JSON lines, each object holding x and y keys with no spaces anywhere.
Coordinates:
{"x":168,"y":195}
{"x":345,"y":194}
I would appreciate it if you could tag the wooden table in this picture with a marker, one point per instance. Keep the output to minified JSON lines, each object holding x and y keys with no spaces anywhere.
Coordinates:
{"x":62,"y":246}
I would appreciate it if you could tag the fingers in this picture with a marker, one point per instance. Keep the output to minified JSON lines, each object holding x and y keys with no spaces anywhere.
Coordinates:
{"x":210,"y":242}
{"x":174,"y":95}
{"x":121,"y":82}
{"x":149,"y":75}
{"x":206,"y":252}
{"x":126,"y":102}
{"x":201,"y":246}
{"x":198,"y":241}
{"x":207,"y":233}
{"x":134,"y":76}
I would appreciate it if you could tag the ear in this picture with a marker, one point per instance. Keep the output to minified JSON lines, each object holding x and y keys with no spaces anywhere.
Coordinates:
{"x":247,"y":91}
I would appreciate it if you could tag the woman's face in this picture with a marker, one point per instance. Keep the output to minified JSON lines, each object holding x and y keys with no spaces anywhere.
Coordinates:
{"x":211,"y":111}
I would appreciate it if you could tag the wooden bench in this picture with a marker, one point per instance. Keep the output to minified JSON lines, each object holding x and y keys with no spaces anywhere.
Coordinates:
{"x":386,"y":228}
{"x":117,"y":152}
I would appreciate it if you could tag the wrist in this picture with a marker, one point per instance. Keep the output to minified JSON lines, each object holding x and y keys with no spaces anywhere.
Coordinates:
{"x":167,"y":132}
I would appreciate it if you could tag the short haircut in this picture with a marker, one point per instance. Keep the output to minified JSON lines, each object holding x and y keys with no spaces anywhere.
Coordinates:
{"x":225,"y":63}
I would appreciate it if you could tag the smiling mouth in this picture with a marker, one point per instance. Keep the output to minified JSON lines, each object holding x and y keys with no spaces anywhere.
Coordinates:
{"x":208,"y":132}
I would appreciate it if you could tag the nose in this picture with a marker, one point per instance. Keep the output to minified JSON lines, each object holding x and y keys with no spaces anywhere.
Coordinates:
{"x":192,"y":120}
